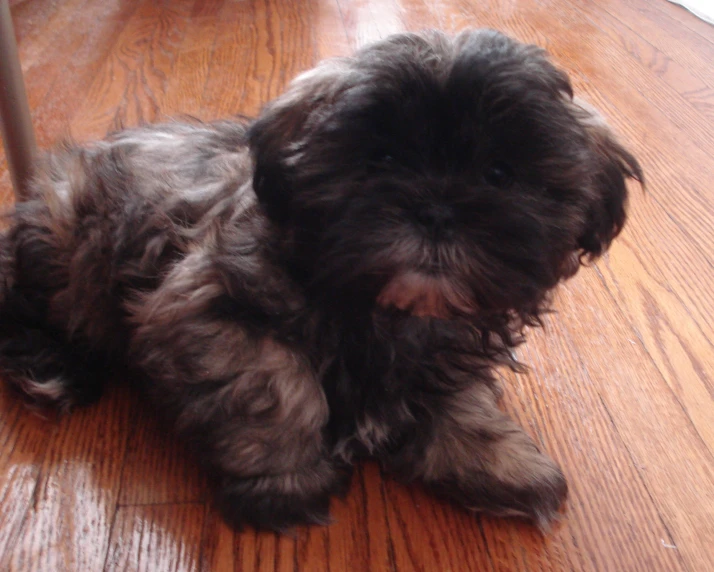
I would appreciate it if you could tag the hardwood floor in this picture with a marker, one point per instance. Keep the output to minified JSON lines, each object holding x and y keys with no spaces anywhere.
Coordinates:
{"x":621,"y":386}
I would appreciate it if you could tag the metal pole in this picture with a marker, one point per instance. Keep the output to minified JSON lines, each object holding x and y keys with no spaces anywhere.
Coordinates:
{"x":17,"y":134}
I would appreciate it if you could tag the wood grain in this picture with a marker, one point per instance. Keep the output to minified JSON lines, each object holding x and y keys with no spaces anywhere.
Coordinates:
{"x":67,"y":524}
{"x":23,"y":443}
{"x":155,"y":468}
{"x":160,"y":537}
{"x":621,"y":386}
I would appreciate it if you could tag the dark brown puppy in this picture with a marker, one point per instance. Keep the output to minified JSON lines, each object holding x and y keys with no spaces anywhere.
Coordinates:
{"x":335,"y":279}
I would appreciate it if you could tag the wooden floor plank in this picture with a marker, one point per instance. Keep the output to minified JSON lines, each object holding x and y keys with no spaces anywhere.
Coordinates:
{"x":187,"y":82}
{"x":251,"y":66}
{"x":665,"y":446}
{"x":672,"y":28}
{"x":682,"y":352}
{"x":75,"y":46}
{"x":159,"y":537}
{"x":58,"y":77}
{"x":217,"y":544}
{"x":660,"y":62}
{"x":125,"y":88}
{"x":23,"y":445}
{"x":40,"y":24}
{"x":359,"y":539}
{"x":682,"y":16}
{"x":361,"y":24}
{"x":621,"y":388}
{"x":68,"y":523}
{"x":329,"y":31}
{"x":609,"y":502}
{"x":427,"y":534}
{"x":157,"y":469}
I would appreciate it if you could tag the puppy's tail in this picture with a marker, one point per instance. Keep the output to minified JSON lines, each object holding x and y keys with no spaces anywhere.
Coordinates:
{"x":36,"y":360}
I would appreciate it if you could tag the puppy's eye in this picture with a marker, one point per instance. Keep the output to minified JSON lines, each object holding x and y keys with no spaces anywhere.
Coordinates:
{"x":498,"y":174}
{"x":382,"y":158}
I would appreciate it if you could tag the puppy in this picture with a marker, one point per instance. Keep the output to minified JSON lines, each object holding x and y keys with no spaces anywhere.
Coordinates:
{"x":336,"y":279}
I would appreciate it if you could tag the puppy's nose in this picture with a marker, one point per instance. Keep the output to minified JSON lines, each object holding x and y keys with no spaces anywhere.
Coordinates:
{"x":437,"y":219}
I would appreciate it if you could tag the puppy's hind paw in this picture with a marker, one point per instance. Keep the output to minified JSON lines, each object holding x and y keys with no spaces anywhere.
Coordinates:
{"x":48,"y":373}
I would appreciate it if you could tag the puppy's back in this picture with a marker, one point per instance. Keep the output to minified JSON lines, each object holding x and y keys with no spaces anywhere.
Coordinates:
{"x":102,"y":223}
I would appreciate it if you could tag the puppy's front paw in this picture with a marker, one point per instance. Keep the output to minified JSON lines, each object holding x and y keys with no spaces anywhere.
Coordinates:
{"x":534,"y":488}
{"x":506,"y":475}
{"x":279,"y":502}
{"x":542,"y":494}
{"x":271,"y":510}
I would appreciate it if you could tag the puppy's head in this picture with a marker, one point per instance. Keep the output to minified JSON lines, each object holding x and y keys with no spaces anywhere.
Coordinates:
{"x":440,"y":176}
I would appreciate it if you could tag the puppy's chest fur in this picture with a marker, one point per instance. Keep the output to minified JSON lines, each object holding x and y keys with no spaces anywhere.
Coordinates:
{"x":390,"y":373}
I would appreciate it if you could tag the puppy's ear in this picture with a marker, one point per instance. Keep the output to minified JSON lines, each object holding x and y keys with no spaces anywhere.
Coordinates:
{"x":279,"y":135}
{"x":613,"y":165}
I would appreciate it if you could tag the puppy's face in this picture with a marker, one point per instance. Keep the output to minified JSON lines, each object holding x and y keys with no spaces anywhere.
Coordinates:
{"x":441,"y":177}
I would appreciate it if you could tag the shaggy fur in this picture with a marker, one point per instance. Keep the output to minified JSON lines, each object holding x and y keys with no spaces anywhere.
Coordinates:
{"x":336,"y":279}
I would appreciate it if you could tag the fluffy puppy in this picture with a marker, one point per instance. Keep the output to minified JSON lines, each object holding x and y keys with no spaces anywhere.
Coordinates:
{"x":336,"y":279}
